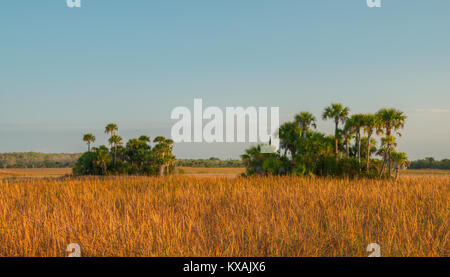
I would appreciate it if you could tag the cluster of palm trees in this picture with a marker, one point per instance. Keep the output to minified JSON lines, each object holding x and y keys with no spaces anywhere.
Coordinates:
{"x":385,"y":122}
{"x":114,"y":140}
{"x":306,"y":151}
{"x":137,"y":157}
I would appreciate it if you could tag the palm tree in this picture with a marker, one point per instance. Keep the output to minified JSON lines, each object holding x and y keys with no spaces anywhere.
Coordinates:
{"x":390,"y":120}
{"x":89,"y":138}
{"x":339,"y":113}
{"x":371,"y":124}
{"x":305,"y":120}
{"x":144,"y":138}
{"x":111,"y":129}
{"x":103,"y":158}
{"x":289,"y":133}
{"x":358,"y":123}
{"x":400,"y":161}
{"x":387,"y":144}
{"x":253,"y":159}
{"x":115,"y":141}
{"x":349,"y":133}
{"x":163,"y":149}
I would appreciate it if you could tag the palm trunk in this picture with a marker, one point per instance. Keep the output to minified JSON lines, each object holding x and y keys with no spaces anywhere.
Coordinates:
{"x":336,"y":146}
{"x":89,"y":147}
{"x":347,"y":146}
{"x":336,"y":136}
{"x":388,"y":134}
{"x":382,"y":167}
{"x":359,"y":146}
{"x":115,"y":154}
{"x":389,"y":160}
{"x":368,"y":151}
{"x":161,"y":170}
{"x":396,"y":173}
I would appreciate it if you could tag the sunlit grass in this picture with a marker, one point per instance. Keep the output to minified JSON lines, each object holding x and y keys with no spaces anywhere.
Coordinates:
{"x":190,"y":216}
{"x":34,"y":172}
{"x":413,"y":172}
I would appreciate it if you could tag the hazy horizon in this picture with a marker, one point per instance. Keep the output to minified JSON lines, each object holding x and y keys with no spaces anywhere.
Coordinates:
{"x":66,"y":72}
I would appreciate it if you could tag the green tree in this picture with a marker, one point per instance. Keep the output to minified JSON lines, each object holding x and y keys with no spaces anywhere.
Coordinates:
{"x":272,"y":164}
{"x":89,"y":138}
{"x":357,"y":121}
{"x":390,"y":120}
{"x":86,"y":164}
{"x":137,"y":152}
{"x":366,"y":149}
{"x":348,"y":133}
{"x":371,"y":125}
{"x":338,"y":113}
{"x":305,"y":121}
{"x":400,"y":161}
{"x":387,"y":144}
{"x":163,"y":150}
{"x":289,"y":134}
{"x":111,"y":129}
{"x":115,"y":141}
{"x":253,"y":160}
{"x":144,"y":138}
{"x":103,"y":159}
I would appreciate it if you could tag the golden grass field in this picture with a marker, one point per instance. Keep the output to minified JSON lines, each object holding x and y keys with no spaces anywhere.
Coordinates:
{"x":35,"y":172}
{"x":189,"y":171}
{"x":220,"y":216}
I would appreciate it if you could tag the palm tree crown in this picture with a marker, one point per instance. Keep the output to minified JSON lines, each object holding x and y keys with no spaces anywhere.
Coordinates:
{"x":339,"y":113}
{"x":336,"y":111}
{"x":111,"y":129}
{"x":390,"y":120}
{"x":305,"y":120}
{"x":89,"y":138}
{"x":371,"y":123}
{"x":164,"y":149}
{"x":144,"y":138}
{"x":115,"y":140}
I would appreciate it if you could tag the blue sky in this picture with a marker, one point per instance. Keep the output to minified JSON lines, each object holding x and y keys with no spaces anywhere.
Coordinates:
{"x":65,"y":72}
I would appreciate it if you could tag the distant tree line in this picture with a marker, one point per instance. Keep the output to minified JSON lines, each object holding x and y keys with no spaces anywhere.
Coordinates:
{"x":431,"y":163}
{"x":37,"y":160}
{"x":138,"y":156}
{"x":211,"y":162}
{"x":61,"y":160}
{"x":305,"y":151}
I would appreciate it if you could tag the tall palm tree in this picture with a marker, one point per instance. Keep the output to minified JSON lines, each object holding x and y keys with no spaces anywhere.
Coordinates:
{"x":391,"y":120}
{"x":339,"y":113}
{"x":115,"y":140}
{"x":289,"y":133}
{"x":358,"y":123}
{"x":89,"y":138}
{"x":349,"y":133}
{"x":144,"y":138}
{"x":163,"y":149}
{"x":111,"y":129}
{"x":387,"y":143}
{"x":103,"y":158}
{"x":305,"y":120}
{"x":253,"y":159}
{"x":400,"y":161}
{"x":371,"y":124}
